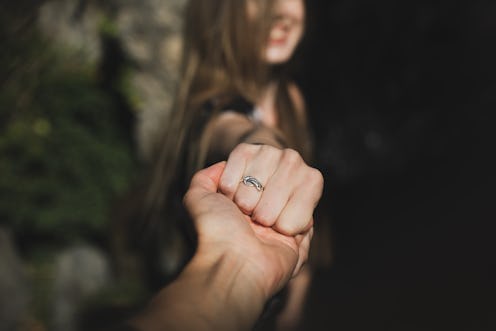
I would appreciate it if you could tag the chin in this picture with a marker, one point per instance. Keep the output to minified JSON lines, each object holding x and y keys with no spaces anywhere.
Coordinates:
{"x":278,"y":61}
{"x":278,"y":56}
{"x":281,"y":53}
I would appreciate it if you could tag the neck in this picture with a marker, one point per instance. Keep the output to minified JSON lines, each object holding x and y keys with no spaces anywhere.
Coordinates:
{"x":267,"y":105}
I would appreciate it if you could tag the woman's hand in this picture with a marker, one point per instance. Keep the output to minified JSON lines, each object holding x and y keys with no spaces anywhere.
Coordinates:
{"x":238,"y":266}
{"x":291,"y":189}
{"x":269,"y":257}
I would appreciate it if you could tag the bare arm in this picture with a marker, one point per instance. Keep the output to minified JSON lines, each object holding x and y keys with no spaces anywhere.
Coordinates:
{"x":212,"y":293}
{"x":238,"y":266}
{"x":227,"y":130}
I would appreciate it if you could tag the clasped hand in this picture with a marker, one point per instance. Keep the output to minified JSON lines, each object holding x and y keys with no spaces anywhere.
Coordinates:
{"x":268,"y":231}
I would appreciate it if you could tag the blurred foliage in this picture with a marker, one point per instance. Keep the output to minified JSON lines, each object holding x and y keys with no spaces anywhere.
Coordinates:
{"x":66,"y":153}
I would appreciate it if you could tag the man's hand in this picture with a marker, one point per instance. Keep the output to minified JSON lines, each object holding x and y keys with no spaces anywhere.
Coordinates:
{"x":270,"y":258}
{"x":238,"y":266}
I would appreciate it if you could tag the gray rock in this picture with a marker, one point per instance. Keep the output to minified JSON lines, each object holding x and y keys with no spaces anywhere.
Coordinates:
{"x":150,"y":32}
{"x":73,"y":25}
{"x":14,"y":286}
{"x":79,"y":273}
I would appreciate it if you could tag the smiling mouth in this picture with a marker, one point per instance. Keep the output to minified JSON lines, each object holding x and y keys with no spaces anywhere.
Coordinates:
{"x":278,"y":36}
{"x":277,"y":42}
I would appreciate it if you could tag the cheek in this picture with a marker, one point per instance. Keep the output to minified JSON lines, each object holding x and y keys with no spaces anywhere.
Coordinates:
{"x":299,"y":11}
{"x":294,"y":9}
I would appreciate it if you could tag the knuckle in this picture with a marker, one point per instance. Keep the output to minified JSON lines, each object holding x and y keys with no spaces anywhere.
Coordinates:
{"x":270,"y":152}
{"x":238,"y":151}
{"x":269,"y":148}
{"x":292,"y":157}
{"x":316,"y":177}
{"x":245,"y":150}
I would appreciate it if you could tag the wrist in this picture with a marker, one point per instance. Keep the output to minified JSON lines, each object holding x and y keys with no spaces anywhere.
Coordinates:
{"x":253,"y":270}
{"x":231,"y":289}
{"x":213,"y":292}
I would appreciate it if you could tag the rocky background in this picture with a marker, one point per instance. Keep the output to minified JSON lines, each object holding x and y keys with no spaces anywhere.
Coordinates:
{"x":148,"y":36}
{"x":85,"y":87}
{"x":401,"y":97}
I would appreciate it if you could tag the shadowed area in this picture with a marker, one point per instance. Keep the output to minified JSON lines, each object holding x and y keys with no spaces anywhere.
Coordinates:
{"x":402,"y":96}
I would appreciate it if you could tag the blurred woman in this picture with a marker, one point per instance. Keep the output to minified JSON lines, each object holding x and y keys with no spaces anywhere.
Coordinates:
{"x":235,"y":87}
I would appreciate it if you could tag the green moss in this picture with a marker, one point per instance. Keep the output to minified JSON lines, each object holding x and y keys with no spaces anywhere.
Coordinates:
{"x":65,"y":153}
{"x":108,"y":27}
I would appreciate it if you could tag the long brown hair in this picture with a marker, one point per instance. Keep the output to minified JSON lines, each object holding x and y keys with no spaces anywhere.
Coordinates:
{"x":222,"y":59}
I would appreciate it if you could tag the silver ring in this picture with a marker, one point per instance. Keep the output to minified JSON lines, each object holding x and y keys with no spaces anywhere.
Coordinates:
{"x":252,"y":181}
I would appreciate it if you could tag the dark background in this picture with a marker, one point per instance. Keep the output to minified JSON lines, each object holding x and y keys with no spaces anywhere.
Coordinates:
{"x":402,"y":96}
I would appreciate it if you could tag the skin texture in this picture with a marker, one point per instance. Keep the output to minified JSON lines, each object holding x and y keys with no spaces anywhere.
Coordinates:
{"x":287,"y":202}
{"x":286,"y":31}
{"x":224,"y":131}
{"x":263,"y":236}
{"x":239,"y":263}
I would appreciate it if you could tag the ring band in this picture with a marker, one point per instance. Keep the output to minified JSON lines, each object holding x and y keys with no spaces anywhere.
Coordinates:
{"x":252,"y":181}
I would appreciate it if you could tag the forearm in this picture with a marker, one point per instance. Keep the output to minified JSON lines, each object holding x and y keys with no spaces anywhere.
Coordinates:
{"x":265,"y":136}
{"x":227,"y":131}
{"x":212,"y":293}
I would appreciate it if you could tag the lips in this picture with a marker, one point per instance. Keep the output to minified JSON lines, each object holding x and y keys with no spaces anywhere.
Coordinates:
{"x":278,"y":35}
{"x":277,"y":42}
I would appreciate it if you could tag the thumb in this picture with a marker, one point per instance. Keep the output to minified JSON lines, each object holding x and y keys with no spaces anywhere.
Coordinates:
{"x":207,"y":179}
{"x":203,"y":183}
